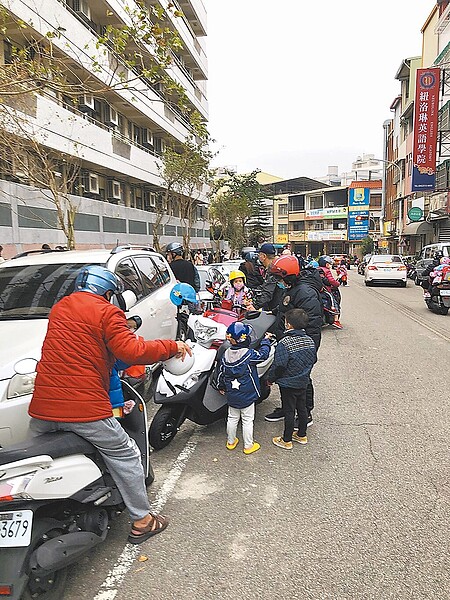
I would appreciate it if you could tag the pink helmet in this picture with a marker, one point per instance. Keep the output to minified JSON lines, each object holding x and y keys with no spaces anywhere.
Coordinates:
{"x":445,"y":260}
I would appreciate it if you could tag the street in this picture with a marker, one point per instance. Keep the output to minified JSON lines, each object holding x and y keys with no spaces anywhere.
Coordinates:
{"x":361,"y":512}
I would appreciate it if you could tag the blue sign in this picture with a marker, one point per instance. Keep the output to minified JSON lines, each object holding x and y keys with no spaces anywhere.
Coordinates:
{"x":358,"y":224}
{"x":358,"y":198}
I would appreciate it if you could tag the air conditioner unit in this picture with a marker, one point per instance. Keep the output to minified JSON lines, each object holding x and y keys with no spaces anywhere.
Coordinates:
{"x":147,"y":138}
{"x":111,"y":116}
{"x":114,"y":191}
{"x":91,"y":183}
{"x":86,"y":103}
{"x":82,"y":7}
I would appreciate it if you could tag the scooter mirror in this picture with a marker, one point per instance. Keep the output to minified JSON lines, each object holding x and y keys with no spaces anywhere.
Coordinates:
{"x":25,"y":366}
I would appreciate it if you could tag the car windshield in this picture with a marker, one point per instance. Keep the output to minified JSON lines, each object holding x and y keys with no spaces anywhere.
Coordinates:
{"x":388,"y":258}
{"x":29,"y":292}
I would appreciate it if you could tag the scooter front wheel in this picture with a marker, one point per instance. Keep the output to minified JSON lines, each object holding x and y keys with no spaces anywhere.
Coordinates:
{"x":164,"y":426}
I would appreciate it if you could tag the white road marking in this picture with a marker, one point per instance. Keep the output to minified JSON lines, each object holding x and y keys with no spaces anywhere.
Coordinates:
{"x":109,"y":588}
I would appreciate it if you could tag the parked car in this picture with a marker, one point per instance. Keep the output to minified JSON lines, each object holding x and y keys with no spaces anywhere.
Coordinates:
{"x":385,"y":267}
{"x":426,"y":257}
{"x":32,"y":283}
{"x":226,"y":267}
{"x":209,"y":273}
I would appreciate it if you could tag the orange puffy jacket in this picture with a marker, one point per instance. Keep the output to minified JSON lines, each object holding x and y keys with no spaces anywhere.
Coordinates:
{"x":85,"y":336}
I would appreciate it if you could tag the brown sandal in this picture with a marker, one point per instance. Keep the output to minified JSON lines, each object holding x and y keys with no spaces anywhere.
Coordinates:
{"x":156,"y":525}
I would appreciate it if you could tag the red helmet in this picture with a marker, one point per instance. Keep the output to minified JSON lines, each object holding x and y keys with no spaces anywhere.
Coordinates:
{"x":285,"y":265}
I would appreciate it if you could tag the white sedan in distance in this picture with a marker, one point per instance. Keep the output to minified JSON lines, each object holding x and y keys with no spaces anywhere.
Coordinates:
{"x":385,"y":267}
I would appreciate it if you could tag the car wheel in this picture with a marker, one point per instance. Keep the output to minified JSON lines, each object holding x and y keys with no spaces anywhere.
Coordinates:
{"x":442,"y":310}
{"x":403,"y":283}
{"x":368,"y":283}
{"x":164,"y":427}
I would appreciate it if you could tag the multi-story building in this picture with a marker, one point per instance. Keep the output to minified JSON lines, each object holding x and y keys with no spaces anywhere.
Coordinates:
{"x":116,"y":135}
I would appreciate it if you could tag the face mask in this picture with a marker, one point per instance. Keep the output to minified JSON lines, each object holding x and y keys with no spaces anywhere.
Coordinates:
{"x":238,"y":286}
{"x":281,"y":285}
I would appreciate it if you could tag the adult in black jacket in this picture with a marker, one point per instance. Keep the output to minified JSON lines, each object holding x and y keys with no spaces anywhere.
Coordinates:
{"x":268,"y":295}
{"x":184,"y":270}
{"x":430,"y":268}
{"x":301,"y":290}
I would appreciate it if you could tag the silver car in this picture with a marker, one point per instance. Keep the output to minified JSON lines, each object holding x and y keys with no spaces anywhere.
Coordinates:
{"x":29,"y":287}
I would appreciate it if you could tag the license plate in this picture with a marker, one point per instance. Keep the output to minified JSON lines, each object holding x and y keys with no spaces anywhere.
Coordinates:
{"x":387,"y":269}
{"x":445,"y":292}
{"x":15,"y":528}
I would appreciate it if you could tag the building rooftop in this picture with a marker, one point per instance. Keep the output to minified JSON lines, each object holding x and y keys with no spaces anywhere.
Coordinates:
{"x":296,"y":185}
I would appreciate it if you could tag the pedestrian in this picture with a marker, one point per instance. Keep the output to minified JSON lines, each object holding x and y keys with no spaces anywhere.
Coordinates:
{"x":251,"y":269}
{"x":267,"y":296}
{"x":300,"y":290}
{"x":87,"y":334}
{"x":238,"y":380}
{"x":295,"y":356}
{"x":184,"y":270}
{"x":1,"y":257}
{"x":198,"y":259}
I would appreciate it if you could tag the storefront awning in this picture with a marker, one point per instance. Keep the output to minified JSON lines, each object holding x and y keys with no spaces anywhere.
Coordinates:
{"x":418,"y":228}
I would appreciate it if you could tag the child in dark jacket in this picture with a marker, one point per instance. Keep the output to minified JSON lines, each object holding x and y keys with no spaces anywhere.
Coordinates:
{"x":295,"y":356}
{"x":238,"y":379}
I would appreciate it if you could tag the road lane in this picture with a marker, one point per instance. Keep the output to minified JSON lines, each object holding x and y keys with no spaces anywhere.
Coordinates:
{"x":359,"y":513}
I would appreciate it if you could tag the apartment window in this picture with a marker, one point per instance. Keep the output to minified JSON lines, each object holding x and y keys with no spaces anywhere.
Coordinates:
{"x":283,"y":210}
{"x":375,"y":201}
{"x":282,"y":229}
{"x":296,"y":203}
{"x":318,"y":225}
{"x":298,"y":225}
{"x":316,"y":202}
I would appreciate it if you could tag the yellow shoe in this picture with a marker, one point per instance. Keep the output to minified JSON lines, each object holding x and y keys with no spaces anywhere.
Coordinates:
{"x":253,"y":448}
{"x":300,"y":440}
{"x":233,"y":445}
{"x":278,"y":441}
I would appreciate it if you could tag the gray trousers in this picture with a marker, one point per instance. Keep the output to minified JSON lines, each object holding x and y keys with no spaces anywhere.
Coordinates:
{"x":118,"y":452}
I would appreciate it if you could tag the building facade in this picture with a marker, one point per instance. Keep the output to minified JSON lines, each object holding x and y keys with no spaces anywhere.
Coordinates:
{"x":116,"y":135}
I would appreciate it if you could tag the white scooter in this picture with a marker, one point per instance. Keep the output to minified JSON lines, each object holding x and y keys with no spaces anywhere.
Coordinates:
{"x":186,"y":389}
{"x":56,"y":502}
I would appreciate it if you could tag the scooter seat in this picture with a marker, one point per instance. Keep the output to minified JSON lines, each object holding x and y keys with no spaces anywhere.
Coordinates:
{"x":56,"y":445}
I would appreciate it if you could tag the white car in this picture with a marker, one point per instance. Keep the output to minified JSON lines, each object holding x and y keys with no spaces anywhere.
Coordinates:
{"x":31,"y":284}
{"x":385,"y":267}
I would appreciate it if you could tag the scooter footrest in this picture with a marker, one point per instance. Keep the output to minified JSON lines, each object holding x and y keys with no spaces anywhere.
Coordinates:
{"x":99,"y":493}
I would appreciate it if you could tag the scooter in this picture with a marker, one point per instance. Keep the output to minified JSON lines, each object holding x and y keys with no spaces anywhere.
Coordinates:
{"x":57,"y":500}
{"x":437,"y":297}
{"x":330,"y":307}
{"x":191,"y":393}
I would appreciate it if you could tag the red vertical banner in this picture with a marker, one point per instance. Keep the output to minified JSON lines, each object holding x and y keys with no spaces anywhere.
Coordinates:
{"x":426,"y":108}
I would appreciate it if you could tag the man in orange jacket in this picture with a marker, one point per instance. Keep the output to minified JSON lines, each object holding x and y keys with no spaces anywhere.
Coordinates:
{"x":86,"y":333}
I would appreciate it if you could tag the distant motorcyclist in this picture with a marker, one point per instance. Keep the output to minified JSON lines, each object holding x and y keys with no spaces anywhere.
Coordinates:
{"x":330,"y":284}
{"x":430,"y":268}
{"x":184,"y":270}
{"x":250,"y":267}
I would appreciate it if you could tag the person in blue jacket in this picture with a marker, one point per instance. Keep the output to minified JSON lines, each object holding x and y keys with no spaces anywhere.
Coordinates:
{"x":238,"y":380}
{"x":115,"y":385}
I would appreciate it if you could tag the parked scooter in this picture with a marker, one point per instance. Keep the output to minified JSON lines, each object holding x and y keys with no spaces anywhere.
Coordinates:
{"x":186,"y":389}
{"x":57,"y":499}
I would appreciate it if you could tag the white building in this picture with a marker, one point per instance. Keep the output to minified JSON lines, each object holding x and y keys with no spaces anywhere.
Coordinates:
{"x":118,"y":134}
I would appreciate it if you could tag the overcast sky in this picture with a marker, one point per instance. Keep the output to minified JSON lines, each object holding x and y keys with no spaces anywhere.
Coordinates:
{"x":295,"y":86}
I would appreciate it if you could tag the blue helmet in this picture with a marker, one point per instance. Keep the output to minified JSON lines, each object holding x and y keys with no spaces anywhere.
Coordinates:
{"x":240,"y":334}
{"x":182,"y":292}
{"x":323,"y":260}
{"x":97,"y":280}
{"x":313,"y":264}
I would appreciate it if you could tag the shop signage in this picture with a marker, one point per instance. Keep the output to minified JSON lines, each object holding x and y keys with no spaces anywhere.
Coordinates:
{"x":426,"y":108}
{"x":282,"y":238}
{"x":358,"y":213}
{"x":316,"y":213}
{"x":325,"y":236}
{"x":337,"y":212}
{"x":415,"y":213}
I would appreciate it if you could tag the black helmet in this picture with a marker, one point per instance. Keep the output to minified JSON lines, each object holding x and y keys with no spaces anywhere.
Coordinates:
{"x":175,"y":248}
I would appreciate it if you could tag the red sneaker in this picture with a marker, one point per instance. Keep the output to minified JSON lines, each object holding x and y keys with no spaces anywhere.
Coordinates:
{"x":337,"y":324}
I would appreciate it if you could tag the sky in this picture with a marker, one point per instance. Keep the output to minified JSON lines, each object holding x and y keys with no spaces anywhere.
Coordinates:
{"x":295,"y":86}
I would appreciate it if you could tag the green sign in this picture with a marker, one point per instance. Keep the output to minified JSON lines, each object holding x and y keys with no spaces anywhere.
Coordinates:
{"x":415,"y":213}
